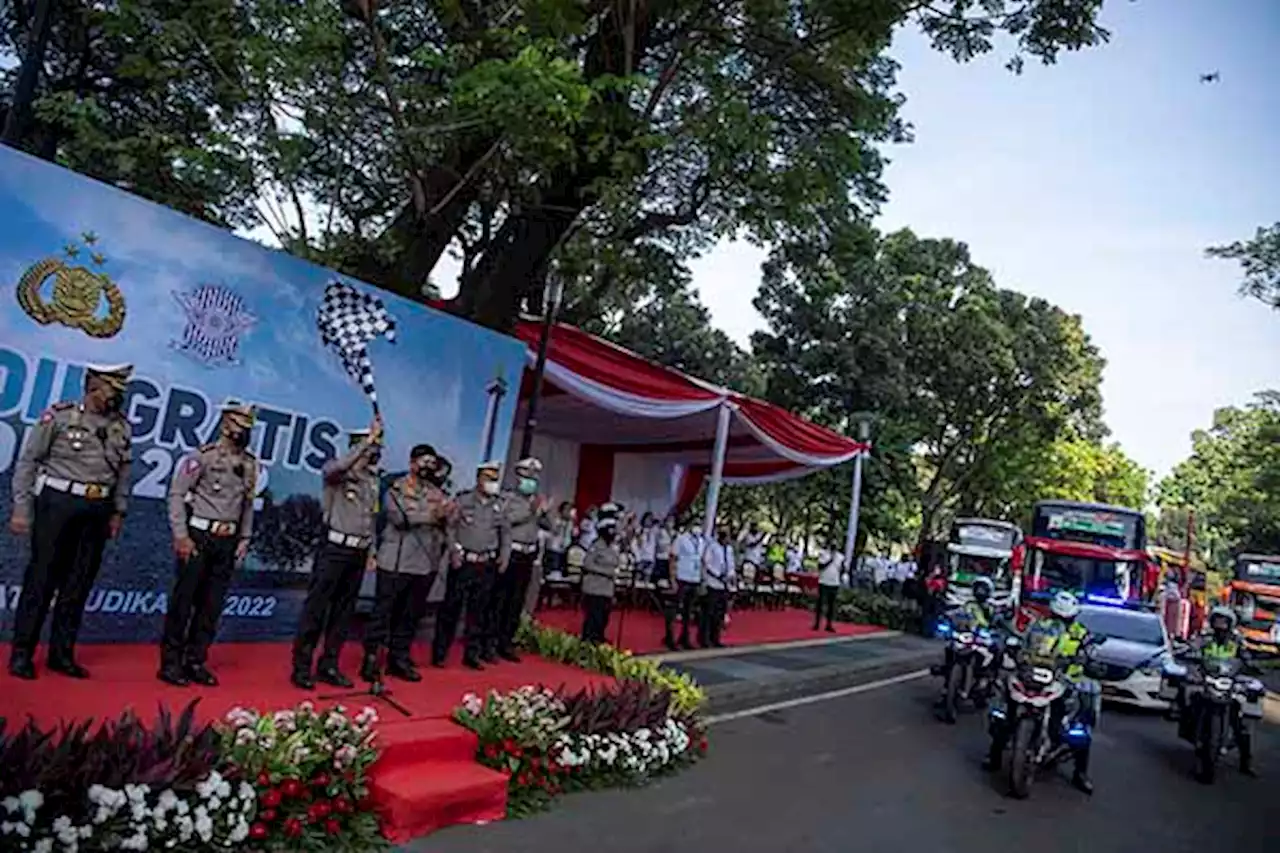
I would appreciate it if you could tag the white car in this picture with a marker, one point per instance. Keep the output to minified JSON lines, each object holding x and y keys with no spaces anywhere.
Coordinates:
{"x":1136,"y":647}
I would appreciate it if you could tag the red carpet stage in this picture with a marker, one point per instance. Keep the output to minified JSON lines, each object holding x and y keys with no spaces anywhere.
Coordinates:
{"x":427,"y":777}
{"x":642,"y":629}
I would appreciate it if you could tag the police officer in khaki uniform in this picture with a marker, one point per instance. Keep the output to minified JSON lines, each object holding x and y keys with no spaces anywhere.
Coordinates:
{"x":527,"y":515}
{"x":599,"y":577}
{"x":211,"y":513}
{"x":350,"y":509}
{"x":70,"y":492}
{"x":478,"y":548}
{"x":417,"y":511}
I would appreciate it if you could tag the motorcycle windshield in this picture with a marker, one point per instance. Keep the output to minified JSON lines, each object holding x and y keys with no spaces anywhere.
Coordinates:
{"x":1040,"y":644}
{"x":1222,"y":667}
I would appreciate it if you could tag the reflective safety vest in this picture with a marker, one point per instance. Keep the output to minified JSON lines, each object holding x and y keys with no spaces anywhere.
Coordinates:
{"x":1069,"y":639}
{"x":1215,"y":651}
{"x":978,"y":614}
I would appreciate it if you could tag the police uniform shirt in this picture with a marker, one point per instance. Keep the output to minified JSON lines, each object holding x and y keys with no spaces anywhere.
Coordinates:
{"x":481,"y":526}
{"x":525,"y":521}
{"x":687,"y":552}
{"x":351,"y":496}
{"x":414,"y":536}
{"x":71,"y":443}
{"x":218,"y":483}
{"x":717,"y":562}
{"x":600,"y":569}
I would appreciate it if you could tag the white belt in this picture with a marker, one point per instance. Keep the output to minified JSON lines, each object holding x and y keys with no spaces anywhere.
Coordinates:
{"x":347,"y":540}
{"x":524,"y":547}
{"x":214,"y":528}
{"x":476,"y":556}
{"x":92,"y":491}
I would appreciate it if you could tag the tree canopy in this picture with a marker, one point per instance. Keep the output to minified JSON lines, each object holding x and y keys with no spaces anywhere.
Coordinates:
{"x":1232,"y":481}
{"x":1259,"y":260}
{"x":374,"y":134}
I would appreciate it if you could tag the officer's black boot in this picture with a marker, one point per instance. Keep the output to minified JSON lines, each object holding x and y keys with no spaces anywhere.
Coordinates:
{"x":369,"y":667}
{"x":1081,"y":777}
{"x":64,"y":662}
{"x":21,"y":665}
{"x":301,"y":676}
{"x":403,"y":669}
{"x":198,"y":673}
{"x":1244,"y":743}
{"x":329,"y":673}
{"x":507,"y":653}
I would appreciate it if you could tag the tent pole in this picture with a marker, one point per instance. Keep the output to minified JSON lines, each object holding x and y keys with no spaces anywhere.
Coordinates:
{"x":855,"y":504}
{"x":717,"y":469}
{"x":550,"y":308}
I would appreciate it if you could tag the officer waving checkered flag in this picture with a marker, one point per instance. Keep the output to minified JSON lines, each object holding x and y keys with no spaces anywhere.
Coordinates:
{"x":348,"y":320}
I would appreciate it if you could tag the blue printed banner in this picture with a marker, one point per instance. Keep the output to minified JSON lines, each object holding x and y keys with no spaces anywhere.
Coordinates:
{"x":94,"y":275}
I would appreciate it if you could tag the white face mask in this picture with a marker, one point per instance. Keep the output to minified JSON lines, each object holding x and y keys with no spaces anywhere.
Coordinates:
{"x":489,"y":487}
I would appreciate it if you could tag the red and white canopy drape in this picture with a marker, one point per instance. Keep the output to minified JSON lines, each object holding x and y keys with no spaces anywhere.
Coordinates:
{"x":621,"y":420}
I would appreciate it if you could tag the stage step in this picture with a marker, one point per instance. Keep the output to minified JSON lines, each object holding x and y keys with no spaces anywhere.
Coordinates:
{"x":412,"y":742}
{"x":418,"y":798}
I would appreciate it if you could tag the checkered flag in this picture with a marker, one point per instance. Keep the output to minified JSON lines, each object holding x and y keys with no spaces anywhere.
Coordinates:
{"x":348,"y":320}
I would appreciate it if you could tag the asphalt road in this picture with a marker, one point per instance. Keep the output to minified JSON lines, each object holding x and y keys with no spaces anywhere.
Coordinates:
{"x":874,"y":772}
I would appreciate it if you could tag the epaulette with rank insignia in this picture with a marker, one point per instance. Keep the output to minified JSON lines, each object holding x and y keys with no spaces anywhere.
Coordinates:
{"x":53,"y":410}
{"x":205,"y":448}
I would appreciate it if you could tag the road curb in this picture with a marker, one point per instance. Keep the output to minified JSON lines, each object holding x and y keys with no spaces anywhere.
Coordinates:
{"x":736,"y":696}
{"x":783,"y":645}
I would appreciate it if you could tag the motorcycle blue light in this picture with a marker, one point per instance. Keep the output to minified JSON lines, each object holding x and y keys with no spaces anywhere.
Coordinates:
{"x":997,"y":713}
{"x":1108,"y":600}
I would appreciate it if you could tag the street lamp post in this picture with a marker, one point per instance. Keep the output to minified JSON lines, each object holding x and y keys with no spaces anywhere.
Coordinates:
{"x":550,"y":308}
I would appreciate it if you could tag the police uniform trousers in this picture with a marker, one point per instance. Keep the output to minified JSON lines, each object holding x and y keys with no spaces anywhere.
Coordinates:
{"x":715,"y":604}
{"x":467,"y":586}
{"x":195,"y":605}
{"x":68,"y":534}
{"x":399,"y":605}
{"x":507,"y":604}
{"x":331,"y":601}
{"x":680,"y":602}
{"x":595,"y":617}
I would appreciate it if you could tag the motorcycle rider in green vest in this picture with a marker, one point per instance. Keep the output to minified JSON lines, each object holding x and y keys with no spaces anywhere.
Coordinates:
{"x":1221,"y":643}
{"x":1072,"y":639}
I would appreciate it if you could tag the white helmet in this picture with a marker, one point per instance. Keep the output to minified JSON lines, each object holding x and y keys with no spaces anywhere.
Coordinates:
{"x":1064,"y":605}
{"x":1222,"y":611}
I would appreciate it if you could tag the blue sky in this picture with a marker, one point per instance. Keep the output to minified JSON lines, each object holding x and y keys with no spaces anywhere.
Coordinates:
{"x":1096,"y":184}
{"x":431,"y":382}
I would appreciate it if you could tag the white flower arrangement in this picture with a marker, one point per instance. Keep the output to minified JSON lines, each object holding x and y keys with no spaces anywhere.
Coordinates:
{"x":215,"y":818}
{"x":639,"y":753}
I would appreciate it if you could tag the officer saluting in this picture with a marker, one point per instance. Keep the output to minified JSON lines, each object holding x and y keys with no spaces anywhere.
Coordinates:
{"x":70,"y":492}
{"x":211,"y":513}
{"x":527,"y":515}
{"x":477,"y":549}
{"x":408,"y":560}
{"x":350,"y":507}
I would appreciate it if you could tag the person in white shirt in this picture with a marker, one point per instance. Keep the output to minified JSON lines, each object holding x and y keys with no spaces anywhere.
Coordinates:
{"x":587,"y":529}
{"x":718,"y":573}
{"x":794,"y":561}
{"x":686,"y":572}
{"x":559,"y":540}
{"x":645,"y":546}
{"x":830,"y":563}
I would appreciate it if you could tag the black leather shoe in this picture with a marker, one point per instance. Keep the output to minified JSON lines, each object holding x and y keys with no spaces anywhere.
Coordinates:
{"x":509,"y":655}
{"x":67,"y":667}
{"x":200,"y":674}
{"x":404,"y":670}
{"x":302,"y":680}
{"x":473,"y":663}
{"x":1082,"y":783}
{"x":369,"y":668}
{"x":172,"y":675}
{"x":437,"y":663}
{"x":489,"y":657}
{"x":1246,"y":769}
{"x":333,"y":675}
{"x":21,"y":666}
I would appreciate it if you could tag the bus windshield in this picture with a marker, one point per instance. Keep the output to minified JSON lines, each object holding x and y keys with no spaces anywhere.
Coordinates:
{"x":1259,"y":571}
{"x":966,"y":567}
{"x":1083,"y":575}
{"x":1111,"y":529}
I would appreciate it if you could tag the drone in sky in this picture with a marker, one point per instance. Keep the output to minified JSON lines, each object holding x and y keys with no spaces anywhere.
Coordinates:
{"x":1211,"y":77}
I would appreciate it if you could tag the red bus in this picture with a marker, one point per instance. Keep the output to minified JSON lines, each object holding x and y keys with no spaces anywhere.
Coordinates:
{"x":1094,"y":550}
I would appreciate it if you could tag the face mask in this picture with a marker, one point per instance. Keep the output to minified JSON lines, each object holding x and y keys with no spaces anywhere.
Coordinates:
{"x":424,"y":467}
{"x":489,"y":487}
{"x":238,"y":437}
{"x":375,"y":456}
{"x":527,"y":485}
{"x":607,"y":535}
